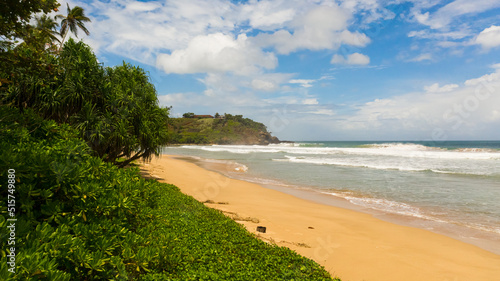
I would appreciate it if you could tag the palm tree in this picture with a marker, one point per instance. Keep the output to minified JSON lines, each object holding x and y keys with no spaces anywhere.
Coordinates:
{"x":74,"y":20}
{"x":46,"y":27}
{"x":41,"y":34}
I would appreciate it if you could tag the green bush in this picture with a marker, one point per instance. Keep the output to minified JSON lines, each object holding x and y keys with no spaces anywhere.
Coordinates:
{"x":76,"y":215}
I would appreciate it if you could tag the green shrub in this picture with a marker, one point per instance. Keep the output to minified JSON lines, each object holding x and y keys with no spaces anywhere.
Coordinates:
{"x":74,"y":211}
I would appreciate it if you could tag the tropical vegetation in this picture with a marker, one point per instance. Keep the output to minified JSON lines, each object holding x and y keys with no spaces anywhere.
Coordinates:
{"x":70,"y":130}
{"x":220,"y":129}
{"x":74,"y":20}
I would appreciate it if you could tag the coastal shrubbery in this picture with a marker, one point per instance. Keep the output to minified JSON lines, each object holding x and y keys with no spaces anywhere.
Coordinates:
{"x":77,"y":215}
{"x":80,"y":218}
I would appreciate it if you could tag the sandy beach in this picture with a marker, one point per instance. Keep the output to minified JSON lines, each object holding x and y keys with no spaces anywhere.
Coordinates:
{"x":351,"y":245}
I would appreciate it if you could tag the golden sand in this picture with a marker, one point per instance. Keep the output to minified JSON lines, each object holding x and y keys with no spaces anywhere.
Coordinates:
{"x":351,"y":245}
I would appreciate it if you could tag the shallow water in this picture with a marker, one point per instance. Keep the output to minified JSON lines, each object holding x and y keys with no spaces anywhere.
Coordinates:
{"x":454,"y":183}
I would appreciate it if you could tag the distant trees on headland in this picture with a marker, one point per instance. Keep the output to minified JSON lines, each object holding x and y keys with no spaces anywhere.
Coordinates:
{"x":218,"y":129}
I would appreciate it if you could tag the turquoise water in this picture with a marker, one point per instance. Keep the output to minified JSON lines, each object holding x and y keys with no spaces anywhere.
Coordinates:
{"x":456,"y":183}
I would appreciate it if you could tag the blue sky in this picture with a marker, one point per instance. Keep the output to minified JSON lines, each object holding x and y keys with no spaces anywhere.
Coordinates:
{"x":316,"y":70}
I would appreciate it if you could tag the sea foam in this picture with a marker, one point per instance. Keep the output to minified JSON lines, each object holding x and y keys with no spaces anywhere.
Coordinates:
{"x":389,"y":149}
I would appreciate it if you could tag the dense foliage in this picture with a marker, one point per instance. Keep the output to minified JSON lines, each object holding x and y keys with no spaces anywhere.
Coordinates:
{"x":15,"y":14}
{"x":79,"y":218}
{"x":226,"y":129}
{"x":115,"y":109}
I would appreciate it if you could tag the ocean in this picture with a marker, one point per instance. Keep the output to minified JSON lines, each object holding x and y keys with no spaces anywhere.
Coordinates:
{"x":448,"y":187}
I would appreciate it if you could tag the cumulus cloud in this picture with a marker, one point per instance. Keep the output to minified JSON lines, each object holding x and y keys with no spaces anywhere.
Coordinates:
{"x":485,"y":79}
{"x":323,"y":27}
{"x":217,"y":52}
{"x":267,"y":15}
{"x":352,"y":59}
{"x":489,"y":37}
{"x":440,"y":113}
{"x":358,"y":59}
{"x":169,"y":29}
{"x":156,"y":26}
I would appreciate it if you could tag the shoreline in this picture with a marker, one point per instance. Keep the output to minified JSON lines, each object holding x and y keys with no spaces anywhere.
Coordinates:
{"x":350,"y":244}
{"x":485,"y":240}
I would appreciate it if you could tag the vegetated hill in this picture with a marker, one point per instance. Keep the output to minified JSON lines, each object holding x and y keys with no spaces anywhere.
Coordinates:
{"x":225,"y":129}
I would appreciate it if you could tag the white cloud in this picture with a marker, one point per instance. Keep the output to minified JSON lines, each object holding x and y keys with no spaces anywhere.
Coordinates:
{"x":434,"y":88}
{"x":264,"y":85}
{"x":217,"y":52}
{"x":221,"y":83}
{"x":142,"y":6}
{"x":328,"y":112}
{"x":337,"y":59}
{"x":267,"y":15}
{"x":169,"y":26}
{"x":439,"y":35}
{"x":372,"y":10}
{"x":422,"y":57}
{"x":140,"y":30}
{"x":451,"y":110}
{"x":486,"y":79}
{"x":358,"y":59}
{"x":448,"y":13}
{"x":352,"y":59}
{"x":323,"y":27}
{"x":489,"y":37}
{"x":267,"y":82}
{"x":453,"y":24}
{"x":310,"y":101}
{"x":306,"y":83}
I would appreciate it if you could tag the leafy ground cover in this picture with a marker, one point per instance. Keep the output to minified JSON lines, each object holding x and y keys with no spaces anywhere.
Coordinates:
{"x":80,"y":218}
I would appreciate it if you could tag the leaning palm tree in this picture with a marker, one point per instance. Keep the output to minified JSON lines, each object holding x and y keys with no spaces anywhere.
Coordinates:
{"x":74,"y":20}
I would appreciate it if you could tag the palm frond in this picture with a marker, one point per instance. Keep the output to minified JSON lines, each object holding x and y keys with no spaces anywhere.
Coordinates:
{"x":82,"y":27}
{"x":73,"y":21}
